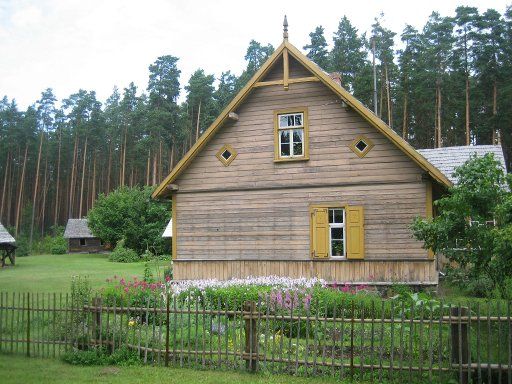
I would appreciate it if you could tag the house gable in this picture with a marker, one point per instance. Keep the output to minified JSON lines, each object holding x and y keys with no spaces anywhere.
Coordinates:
{"x":288,"y":67}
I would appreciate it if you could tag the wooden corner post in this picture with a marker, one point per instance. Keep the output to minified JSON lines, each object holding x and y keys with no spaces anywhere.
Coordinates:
{"x":251,"y":336}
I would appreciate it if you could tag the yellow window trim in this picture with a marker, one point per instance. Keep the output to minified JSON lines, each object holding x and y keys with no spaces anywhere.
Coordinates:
{"x":312,"y":208}
{"x":369,"y":146}
{"x":277,"y":150}
{"x":231,"y":158}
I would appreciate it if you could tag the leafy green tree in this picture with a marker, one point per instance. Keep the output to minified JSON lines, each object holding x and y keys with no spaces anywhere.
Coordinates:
{"x":130,"y":214}
{"x":474,"y":224}
{"x":317,"y":48}
{"x":255,"y":56}
{"x":225,"y":91}
{"x":200,"y":101}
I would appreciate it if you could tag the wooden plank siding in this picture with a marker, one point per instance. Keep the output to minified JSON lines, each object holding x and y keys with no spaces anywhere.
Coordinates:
{"x":358,"y":272}
{"x":252,"y":217}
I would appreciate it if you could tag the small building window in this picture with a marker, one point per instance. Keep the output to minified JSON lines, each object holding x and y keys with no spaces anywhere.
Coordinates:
{"x":82,"y":242}
{"x":361,"y":146}
{"x":226,"y":154}
{"x":291,"y":135}
{"x":337,"y":232}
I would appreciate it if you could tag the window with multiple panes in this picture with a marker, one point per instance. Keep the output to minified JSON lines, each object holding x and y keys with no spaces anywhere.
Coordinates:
{"x":291,"y":135}
{"x":337,"y":232}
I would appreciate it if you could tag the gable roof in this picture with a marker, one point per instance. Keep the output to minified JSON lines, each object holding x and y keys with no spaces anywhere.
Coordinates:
{"x":77,"y":229}
{"x":350,"y":100}
{"x":448,"y":158}
{"x":5,"y":237}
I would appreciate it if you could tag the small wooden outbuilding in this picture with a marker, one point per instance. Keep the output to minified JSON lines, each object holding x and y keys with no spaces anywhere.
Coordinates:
{"x":7,"y":246}
{"x":81,"y":239}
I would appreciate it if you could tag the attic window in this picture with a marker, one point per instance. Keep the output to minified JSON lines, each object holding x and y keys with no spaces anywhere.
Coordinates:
{"x":226,"y":154}
{"x":361,"y":146}
{"x":291,"y":135}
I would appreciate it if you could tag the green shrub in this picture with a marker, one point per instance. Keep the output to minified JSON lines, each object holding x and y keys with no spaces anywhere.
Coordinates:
{"x":100,"y":356}
{"x":130,"y":214}
{"x":168,"y":275}
{"x":121,"y":254}
{"x":22,"y":246}
{"x":59,"y":245}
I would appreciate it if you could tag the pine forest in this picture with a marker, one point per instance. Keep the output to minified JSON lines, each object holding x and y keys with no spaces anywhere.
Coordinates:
{"x":448,"y":84}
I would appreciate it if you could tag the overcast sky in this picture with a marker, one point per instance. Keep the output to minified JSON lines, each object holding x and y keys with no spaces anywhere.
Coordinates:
{"x":97,"y":44}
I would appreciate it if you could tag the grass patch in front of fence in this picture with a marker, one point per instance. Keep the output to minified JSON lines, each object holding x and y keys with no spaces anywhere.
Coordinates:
{"x":53,"y":273}
{"x":17,"y":369}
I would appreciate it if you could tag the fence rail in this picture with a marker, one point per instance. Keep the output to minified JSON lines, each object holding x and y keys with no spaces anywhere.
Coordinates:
{"x":376,"y":341}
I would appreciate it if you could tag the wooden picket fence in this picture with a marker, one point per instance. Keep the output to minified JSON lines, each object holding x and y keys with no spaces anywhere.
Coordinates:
{"x":378,"y":342}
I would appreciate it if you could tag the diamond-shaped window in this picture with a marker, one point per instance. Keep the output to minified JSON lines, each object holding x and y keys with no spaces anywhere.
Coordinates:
{"x":361,"y":146}
{"x":226,"y":154}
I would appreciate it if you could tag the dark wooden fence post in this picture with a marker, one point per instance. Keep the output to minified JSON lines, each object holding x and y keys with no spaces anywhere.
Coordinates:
{"x":460,"y":348}
{"x":167,"y":312}
{"x":96,"y":303}
{"x":251,"y":336}
{"x":28,"y":324}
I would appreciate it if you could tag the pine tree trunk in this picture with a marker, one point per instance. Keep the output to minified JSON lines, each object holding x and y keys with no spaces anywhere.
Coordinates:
{"x":148,"y":167}
{"x":160,"y":160}
{"x":56,"y":212}
{"x":45,"y":191}
{"x":83,"y":178}
{"x":404,"y":120}
{"x":36,"y":186}
{"x":154,"y":168}
{"x":20,"y":191}
{"x":4,"y":187}
{"x":197,"y":123}
{"x":468,"y":138}
{"x":93,"y":189}
{"x":388,"y":96}
{"x":495,"y":138}
{"x":439,"y":130}
{"x":107,"y":189}
{"x":72,"y":181}
{"x":123,"y":173}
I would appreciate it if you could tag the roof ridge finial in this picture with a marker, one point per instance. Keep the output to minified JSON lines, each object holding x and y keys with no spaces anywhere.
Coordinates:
{"x":285,"y":28}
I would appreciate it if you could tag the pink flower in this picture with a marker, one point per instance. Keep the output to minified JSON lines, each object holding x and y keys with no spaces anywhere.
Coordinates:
{"x":168,"y":278}
{"x":126,"y":289}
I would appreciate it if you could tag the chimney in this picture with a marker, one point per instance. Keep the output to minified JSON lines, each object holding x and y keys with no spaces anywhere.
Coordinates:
{"x":336,"y":76}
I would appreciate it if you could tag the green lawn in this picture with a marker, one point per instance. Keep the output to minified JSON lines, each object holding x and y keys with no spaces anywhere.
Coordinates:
{"x":53,"y":273}
{"x":17,"y":369}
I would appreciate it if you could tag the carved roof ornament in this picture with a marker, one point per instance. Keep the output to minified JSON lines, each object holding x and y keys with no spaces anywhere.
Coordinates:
{"x":285,"y":28}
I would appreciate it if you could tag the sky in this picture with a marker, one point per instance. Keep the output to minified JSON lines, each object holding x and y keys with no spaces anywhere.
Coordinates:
{"x":98,"y":44}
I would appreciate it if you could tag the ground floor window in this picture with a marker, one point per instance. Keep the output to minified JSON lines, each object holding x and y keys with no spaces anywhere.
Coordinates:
{"x":82,"y":242}
{"x":337,"y":232}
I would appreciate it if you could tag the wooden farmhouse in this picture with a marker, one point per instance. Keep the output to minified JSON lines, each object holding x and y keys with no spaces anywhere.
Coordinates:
{"x":80,"y":238}
{"x":297,"y":178}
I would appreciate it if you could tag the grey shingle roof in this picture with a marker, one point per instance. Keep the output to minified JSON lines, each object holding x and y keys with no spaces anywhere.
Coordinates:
{"x":77,"y":228}
{"x":448,"y":158}
{"x":5,"y":237}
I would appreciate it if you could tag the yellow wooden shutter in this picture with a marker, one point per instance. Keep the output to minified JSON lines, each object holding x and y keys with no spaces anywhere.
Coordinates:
{"x":355,"y":232}
{"x":320,"y":233}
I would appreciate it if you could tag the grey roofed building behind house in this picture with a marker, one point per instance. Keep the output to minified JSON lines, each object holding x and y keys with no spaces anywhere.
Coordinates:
{"x":5,"y":237}
{"x":448,"y":158}
{"x":78,"y":229}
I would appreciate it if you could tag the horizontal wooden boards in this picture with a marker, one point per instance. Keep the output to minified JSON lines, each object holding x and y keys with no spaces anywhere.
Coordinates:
{"x":332,"y":129}
{"x":275,"y":223}
{"x":376,"y":272}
